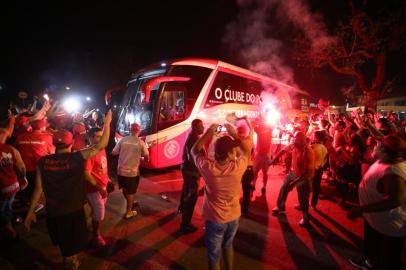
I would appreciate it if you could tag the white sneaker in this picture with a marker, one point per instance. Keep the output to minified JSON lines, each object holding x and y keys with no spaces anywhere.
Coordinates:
{"x":276,"y":210}
{"x":132,"y":214}
{"x":362,"y":263}
{"x":304,"y":221}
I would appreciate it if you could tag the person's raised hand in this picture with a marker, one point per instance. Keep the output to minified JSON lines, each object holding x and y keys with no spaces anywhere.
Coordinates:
{"x":230,"y":129}
{"x":108,"y":118}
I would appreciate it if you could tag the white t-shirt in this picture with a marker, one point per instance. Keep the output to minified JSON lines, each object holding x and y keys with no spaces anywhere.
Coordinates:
{"x":130,"y":149}
{"x":393,"y":222}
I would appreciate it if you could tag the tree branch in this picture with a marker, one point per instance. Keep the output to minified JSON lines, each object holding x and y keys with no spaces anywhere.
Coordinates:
{"x":380,"y":62}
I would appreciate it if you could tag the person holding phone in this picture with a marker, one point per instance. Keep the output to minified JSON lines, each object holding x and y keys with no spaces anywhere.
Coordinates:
{"x":222,"y":177}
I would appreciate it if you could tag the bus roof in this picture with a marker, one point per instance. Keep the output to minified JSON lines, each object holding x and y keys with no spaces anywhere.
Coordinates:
{"x":223,"y":66}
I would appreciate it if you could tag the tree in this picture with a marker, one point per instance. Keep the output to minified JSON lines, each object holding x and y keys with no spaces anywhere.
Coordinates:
{"x":360,"y":47}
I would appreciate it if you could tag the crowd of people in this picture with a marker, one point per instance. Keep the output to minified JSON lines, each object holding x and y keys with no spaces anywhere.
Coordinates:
{"x":363,"y":152}
{"x":59,"y":160}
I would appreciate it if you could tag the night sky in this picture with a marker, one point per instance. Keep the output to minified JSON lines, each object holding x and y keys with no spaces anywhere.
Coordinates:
{"x":94,"y":47}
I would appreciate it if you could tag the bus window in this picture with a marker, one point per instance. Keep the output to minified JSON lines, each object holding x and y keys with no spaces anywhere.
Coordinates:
{"x":172,"y":109}
{"x":198,"y":76}
{"x":192,"y":88}
{"x":300,"y":102}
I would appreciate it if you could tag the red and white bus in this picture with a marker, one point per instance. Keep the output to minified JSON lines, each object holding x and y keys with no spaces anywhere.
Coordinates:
{"x":165,"y":98}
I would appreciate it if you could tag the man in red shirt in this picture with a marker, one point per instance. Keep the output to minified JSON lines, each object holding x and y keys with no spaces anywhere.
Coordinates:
{"x":300,"y":176}
{"x":12,"y":179}
{"x":60,"y":177}
{"x":262,"y":152}
{"x":96,"y":169}
{"x":79,"y":133}
{"x":32,"y":146}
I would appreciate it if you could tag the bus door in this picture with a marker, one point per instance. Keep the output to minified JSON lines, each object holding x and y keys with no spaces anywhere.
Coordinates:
{"x":172,"y":129}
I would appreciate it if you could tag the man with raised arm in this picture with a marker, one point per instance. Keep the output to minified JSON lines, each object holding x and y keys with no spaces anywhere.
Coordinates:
{"x":61,"y":177}
{"x":221,"y":207}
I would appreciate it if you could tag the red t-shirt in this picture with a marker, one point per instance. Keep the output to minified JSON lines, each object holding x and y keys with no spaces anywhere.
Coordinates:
{"x":97,"y":166}
{"x":8,"y":177}
{"x":79,"y":136}
{"x":264,"y":139}
{"x":33,"y":146}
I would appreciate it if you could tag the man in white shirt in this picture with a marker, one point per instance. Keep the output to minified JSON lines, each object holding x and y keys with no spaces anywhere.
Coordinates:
{"x":382,"y":198}
{"x":130,"y":150}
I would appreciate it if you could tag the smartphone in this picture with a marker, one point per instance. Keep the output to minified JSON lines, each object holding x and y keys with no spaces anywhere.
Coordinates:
{"x":221,"y":128}
{"x":46,"y":97}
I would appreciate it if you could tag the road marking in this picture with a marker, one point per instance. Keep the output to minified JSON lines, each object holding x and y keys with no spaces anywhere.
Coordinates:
{"x":168,"y":181}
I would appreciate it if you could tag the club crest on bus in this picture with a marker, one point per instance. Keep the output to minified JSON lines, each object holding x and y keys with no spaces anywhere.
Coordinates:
{"x":171,"y":149}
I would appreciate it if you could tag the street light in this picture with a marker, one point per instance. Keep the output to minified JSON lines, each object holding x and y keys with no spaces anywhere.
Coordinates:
{"x":72,"y":104}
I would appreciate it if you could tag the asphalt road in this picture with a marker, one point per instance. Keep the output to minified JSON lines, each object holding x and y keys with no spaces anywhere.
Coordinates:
{"x":152,"y":240}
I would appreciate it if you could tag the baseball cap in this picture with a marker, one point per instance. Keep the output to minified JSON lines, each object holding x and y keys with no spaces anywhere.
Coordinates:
{"x":38,"y":124}
{"x":62,"y":138}
{"x":394,"y":143}
{"x":135,"y":127}
{"x":224,"y":145}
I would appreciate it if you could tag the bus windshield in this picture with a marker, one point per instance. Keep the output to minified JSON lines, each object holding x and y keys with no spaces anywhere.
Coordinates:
{"x":134,"y":109}
{"x":170,"y":101}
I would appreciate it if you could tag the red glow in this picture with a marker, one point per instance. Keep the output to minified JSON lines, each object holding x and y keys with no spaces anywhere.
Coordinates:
{"x":272,"y":115}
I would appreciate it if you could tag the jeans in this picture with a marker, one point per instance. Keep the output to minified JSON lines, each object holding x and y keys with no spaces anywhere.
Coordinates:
{"x":316,"y":185}
{"x":218,"y":237}
{"x":246,"y":188}
{"x":383,"y":251}
{"x":6,"y":210}
{"x":303,"y":192}
{"x":189,"y":195}
{"x":97,"y":203}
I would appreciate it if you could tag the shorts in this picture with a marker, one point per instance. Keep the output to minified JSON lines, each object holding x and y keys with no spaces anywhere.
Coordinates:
{"x":261,"y":162}
{"x":129,"y":184}
{"x":69,"y":232}
{"x":218,"y":237}
{"x":97,"y":203}
{"x":6,"y":210}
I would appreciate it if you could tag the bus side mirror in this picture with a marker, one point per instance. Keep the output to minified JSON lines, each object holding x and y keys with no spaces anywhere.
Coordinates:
{"x":109,"y":93}
{"x":147,"y":86}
